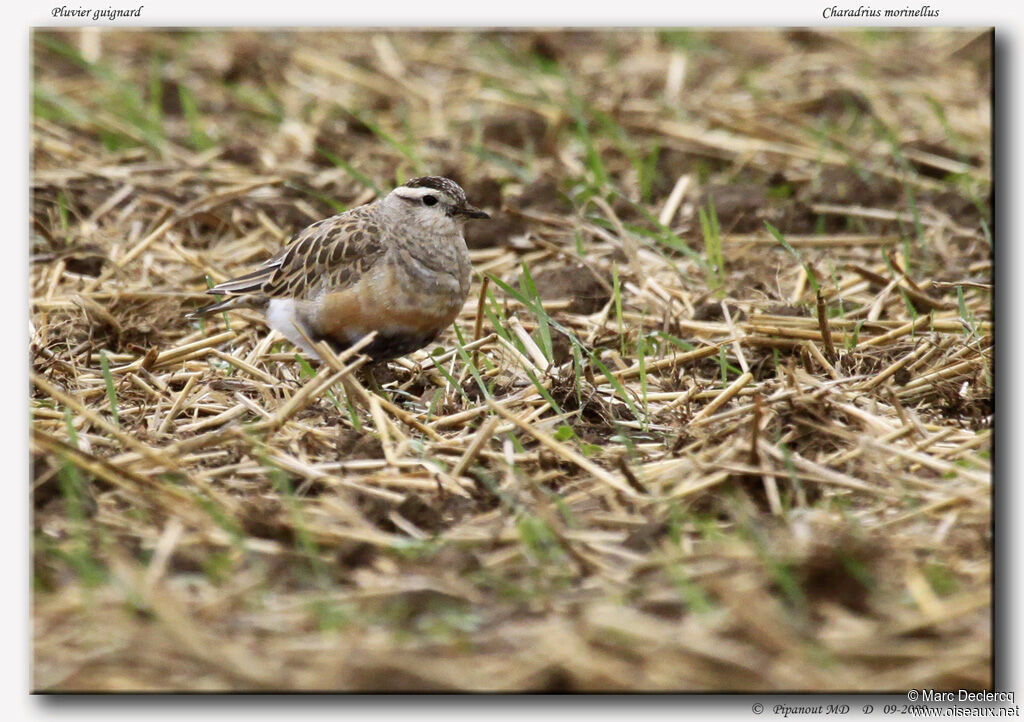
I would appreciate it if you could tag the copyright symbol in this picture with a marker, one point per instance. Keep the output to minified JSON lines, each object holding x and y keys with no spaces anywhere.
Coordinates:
{"x":912,"y":695}
{"x":758,"y":708}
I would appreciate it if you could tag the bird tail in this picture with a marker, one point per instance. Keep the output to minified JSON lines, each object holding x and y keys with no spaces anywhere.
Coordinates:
{"x":227,"y":305}
{"x":242,"y":292}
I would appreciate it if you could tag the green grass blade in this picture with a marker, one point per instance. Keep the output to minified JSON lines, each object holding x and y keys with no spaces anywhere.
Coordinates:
{"x":111,"y":391}
{"x":811,"y":278}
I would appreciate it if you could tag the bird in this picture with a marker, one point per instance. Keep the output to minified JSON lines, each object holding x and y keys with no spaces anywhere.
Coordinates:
{"x":398,"y":266}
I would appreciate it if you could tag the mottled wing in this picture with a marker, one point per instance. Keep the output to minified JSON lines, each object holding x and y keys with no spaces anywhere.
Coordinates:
{"x":330,"y":254}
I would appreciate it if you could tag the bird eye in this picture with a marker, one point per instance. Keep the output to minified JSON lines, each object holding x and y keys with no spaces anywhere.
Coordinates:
{"x":429,"y":201}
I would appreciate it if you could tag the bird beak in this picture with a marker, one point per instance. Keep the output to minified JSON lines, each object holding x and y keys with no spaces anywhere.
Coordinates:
{"x":470,"y":212}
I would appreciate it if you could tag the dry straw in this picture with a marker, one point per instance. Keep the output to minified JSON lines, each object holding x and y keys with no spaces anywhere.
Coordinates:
{"x":635,"y":467}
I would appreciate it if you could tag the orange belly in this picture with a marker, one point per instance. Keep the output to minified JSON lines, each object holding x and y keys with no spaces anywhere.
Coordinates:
{"x":345,"y":317}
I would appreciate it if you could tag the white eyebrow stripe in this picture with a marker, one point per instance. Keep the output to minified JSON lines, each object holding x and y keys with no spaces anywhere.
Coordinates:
{"x":415,"y":194}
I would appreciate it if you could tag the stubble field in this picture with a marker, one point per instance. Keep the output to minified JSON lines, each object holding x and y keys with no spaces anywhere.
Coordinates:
{"x":716,"y":416}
